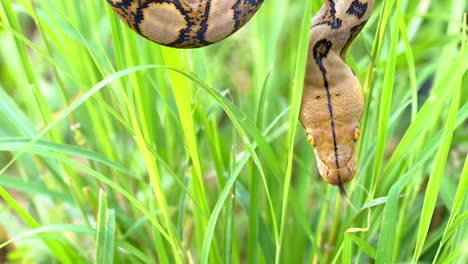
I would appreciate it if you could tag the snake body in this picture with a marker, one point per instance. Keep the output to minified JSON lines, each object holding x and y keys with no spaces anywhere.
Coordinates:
{"x":185,"y":23}
{"x":332,"y":100}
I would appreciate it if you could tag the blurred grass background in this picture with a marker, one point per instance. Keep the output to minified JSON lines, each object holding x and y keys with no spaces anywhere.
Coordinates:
{"x":118,"y":150}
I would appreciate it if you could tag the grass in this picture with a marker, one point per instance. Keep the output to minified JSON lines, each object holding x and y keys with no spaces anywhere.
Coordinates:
{"x":117,"y":150}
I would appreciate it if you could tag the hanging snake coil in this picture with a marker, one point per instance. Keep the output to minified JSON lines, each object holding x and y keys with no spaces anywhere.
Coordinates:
{"x":185,"y":23}
{"x":332,"y":100}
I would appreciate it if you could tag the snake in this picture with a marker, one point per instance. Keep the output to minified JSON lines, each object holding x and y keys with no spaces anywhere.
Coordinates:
{"x":332,"y":101}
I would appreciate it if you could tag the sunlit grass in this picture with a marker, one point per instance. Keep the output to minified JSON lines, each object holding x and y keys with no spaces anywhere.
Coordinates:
{"x":115,"y":149}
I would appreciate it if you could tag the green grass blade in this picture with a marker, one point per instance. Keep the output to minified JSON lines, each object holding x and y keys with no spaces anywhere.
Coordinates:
{"x":105,"y":232}
{"x":385,"y":103}
{"x":435,"y":178}
{"x":50,"y":229}
{"x":214,"y":217}
{"x":389,"y":222}
{"x":87,"y":104}
{"x":77,"y":103}
{"x":455,"y":220}
{"x":347,"y":250}
{"x":366,"y":247}
{"x":298,"y":83}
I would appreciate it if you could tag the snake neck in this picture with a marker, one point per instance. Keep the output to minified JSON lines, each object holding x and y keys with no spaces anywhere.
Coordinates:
{"x":333,"y":29}
{"x":339,"y":22}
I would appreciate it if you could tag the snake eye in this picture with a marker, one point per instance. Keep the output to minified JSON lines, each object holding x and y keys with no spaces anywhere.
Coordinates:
{"x":311,"y":140}
{"x":357,"y":134}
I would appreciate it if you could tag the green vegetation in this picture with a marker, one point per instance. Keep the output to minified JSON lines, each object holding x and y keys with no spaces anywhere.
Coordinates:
{"x":117,"y":150}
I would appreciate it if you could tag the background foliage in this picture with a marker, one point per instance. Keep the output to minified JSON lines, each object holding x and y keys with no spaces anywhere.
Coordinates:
{"x":115,"y":149}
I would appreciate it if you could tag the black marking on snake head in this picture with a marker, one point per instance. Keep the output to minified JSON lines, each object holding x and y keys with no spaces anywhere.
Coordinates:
{"x":357,"y":8}
{"x":320,"y":51}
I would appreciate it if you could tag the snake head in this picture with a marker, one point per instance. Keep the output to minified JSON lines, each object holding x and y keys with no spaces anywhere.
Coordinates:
{"x":335,"y":151}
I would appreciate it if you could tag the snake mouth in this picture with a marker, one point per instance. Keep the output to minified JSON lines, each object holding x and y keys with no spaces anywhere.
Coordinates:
{"x":337,"y":173}
{"x":339,"y":176}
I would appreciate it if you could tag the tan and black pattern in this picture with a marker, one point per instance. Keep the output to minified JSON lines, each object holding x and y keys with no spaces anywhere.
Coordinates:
{"x":332,"y":100}
{"x":185,"y":23}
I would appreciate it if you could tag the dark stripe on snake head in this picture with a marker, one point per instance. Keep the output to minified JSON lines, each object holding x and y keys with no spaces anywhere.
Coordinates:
{"x":320,"y":51}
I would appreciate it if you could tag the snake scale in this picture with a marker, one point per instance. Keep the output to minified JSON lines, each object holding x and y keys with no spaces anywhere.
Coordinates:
{"x":332,"y":100}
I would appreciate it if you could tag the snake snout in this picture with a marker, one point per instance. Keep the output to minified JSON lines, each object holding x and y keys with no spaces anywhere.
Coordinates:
{"x":339,"y":176}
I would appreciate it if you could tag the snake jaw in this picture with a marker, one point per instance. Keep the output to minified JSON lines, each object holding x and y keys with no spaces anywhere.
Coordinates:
{"x":338,"y":176}
{"x":333,"y":174}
